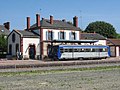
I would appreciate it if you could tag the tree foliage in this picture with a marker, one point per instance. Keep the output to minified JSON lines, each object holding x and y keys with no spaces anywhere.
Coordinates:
{"x":3,"y":43}
{"x":118,"y":36}
{"x":103,"y":28}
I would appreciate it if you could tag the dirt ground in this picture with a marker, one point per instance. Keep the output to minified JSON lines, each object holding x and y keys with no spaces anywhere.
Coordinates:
{"x":77,"y":80}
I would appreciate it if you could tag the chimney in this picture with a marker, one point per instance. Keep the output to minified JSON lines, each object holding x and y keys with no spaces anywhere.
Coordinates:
{"x":7,"y":25}
{"x":37,"y":20}
{"x":28,"y":23}
{"x":75,"y":21}
{"x":64,"y":20}
{"x":51,"y":19}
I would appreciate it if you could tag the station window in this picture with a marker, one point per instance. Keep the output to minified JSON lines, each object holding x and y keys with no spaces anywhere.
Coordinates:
{"x":13,"y":37}
{"x":10,"y":49}
{"x":49,"y":35}
{"x":62,"y":35}
{"x":17,"y":47}
{"x":72,"y":36}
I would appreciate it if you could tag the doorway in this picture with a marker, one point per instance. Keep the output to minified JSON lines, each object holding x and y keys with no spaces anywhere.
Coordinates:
{"x":32,"y":51}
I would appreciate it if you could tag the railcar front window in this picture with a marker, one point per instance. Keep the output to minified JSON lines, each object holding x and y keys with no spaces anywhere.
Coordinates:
{"x":54,"y":51}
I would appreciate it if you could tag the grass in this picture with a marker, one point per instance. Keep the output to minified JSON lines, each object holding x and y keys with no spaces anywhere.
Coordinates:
{"x":41,"y":72}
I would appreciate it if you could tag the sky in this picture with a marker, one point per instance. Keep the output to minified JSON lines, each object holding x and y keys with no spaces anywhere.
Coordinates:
{"x":87,"y":11}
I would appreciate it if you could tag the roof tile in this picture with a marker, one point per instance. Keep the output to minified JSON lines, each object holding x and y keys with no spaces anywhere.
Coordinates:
{"x":57,"y":24}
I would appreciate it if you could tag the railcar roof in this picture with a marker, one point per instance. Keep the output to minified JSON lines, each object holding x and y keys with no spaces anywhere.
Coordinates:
{"x":82,"y":46}
{"x":75,"y":41}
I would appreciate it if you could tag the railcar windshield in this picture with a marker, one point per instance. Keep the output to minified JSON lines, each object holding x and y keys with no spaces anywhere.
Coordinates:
{"x":53,"y":51}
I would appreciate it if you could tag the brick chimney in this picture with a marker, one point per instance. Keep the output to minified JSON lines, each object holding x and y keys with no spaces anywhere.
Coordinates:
{"x":51,"y":19}
{"x":7,"y":25}
{"x":37,"y":20}
{"x":64,"y":20}
{"x":28,"y":23}
{"x":75,"y":21}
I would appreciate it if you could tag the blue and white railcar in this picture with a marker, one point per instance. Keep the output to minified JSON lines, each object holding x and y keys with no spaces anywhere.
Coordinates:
{"x":79,"y":51}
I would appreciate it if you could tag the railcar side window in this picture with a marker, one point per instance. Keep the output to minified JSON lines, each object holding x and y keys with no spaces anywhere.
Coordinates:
{"x":81,"y":50}
{"x":70,"y":50}
{"x":61,"y":50}
{"x":76,"y":50}
{"x":66,"y":50}
{"x":93,"y":50}
{"x":87,"y":50}
{"x":101,"y":50}
{"x":97,"y":50}
{"x":105,"y":49}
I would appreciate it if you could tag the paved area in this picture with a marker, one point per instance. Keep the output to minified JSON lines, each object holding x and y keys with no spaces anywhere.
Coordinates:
{"x":29,"y":62}
{"x":30,"y":65}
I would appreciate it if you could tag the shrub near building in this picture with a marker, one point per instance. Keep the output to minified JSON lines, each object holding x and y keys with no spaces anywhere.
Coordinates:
{"x":3,"y":46}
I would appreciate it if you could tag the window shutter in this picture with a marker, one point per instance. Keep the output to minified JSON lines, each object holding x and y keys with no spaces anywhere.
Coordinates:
{"x":64,"y":35}
{"x":75,"y":36}
{"x":52,"y":35}
{"x":46,"y":35}
{"x":69,"y":35}
{"x":58,"y":35}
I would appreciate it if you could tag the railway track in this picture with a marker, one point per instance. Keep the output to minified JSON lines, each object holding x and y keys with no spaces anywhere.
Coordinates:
{"x":18,"y":66}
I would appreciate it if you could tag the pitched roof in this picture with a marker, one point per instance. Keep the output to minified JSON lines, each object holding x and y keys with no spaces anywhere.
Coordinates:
{"x":113,"y":42}
{"x":3,"y":30}
{"x":92,"y":36}
{"x":29,"y":34}
{"x":57,"y":24}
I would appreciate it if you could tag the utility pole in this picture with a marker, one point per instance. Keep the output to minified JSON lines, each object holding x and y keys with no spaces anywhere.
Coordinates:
{"x":40,"y":57}
{"x":40,"y":10}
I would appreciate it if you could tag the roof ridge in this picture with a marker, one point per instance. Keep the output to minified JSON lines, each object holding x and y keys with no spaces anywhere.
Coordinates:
{"x":49,"y":19}
{"x":89,"y":33}
{"x":18,"y":32}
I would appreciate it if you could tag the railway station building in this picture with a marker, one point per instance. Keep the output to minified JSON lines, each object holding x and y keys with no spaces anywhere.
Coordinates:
{"x":34,"y":42}
{"x":114,"y":47}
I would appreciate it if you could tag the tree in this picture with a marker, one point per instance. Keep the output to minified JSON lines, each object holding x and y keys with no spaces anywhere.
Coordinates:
{"x":103,"y":28}
{"x":118,"y":36}
{"x":3,"y":43}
